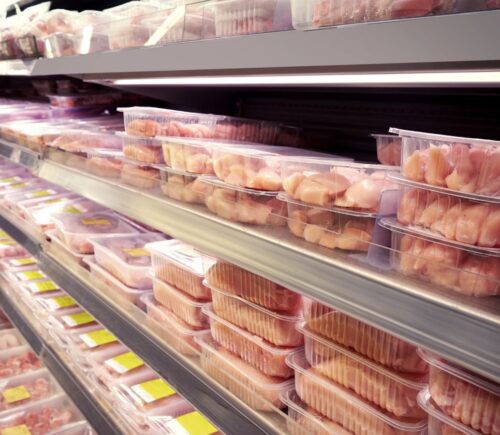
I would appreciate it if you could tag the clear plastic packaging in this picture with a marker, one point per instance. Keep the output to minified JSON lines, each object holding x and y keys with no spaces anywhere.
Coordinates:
{"x":188,"y":154}
{"x":181,"y":304}
{"x":20,"y":390}
{"x":177,"y":333}
{"x":10,"y":338}
{"x":388,"y":149}
{"x":462,"y":395}
{"x":83,"y":100}
{"x":238,"y":204}
{"x":302,"y":417}
{"x":11,"y":249}
{"x":346,"y":408}
{"x":392,"y":391}
{"x":55,"y":416}
{"x":182,"y":186}
{"x":17,"y":361}
{"x":462,"y":164}
{"x":104,"y":163}
{"x":450,"y":216}
{"x":47,"y":304}
{"x":261,"y":392}
{"x":367,"y":340}
{"x":76,"y":230}
{"x":278,"y":329}
{"x":467,"y":270}
{"x":103,"y":276}
{"x":181,"y":266}
{"x":126,"y":257}
{"x":313,"y":14}
{"x":14,"y":200}
{"x":243,"y":17}
{"x":151,"y":121}
{"x":254,"y":288}
{"x":268,"y":359}
{"x":62,"y":251}
{"x":140,"y":175}
{"x":329,"y":182}
{"x":141,"y":149}
{"x":333,"y":228}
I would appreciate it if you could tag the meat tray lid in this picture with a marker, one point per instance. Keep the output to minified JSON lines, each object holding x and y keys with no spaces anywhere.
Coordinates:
{"x":130,"y":139}
{"x":86,"y":221}
{"x":445,"y":138}
{"x":459,"y":372}
{"x":183,"y":255}
{"x":214,"y":181}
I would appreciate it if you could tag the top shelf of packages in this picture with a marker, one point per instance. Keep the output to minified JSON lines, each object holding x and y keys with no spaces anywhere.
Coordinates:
{"x":457,"y":43}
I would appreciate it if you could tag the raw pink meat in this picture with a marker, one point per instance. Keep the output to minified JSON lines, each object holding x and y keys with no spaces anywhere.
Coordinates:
{"x":19,"y":364}
{"x":140,"y":176}
{"x":143,"y":127}
{"x":38,"y":389}
{"x":8,"y":340}
{"x":143,"y":153}
{"x":42,"y":421}
{"x":183,"y":279}
{"x":183,"y":188}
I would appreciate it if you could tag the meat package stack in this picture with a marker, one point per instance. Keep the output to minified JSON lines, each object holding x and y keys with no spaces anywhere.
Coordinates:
{"x":179,"y":294}
{"x":447,"y":229}
{"x":252,"y":332}
{"x":354,"y":378}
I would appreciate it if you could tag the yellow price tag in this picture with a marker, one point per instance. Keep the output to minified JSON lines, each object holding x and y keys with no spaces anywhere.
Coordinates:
{"x":196,"y":424}
{"x":137,"y":252}
{"x":153,"y":390}
{"x":43,"y":286}
{"x":9,"y":180}
{"x":22,"y":261}
{"x":8,"y":243}
{"x":124,"y":363}
{"x":98,"y":338}
{"x":18,"y":186}
{"x":72,"y":209}
{"x":16,"y":394}
{"x":31,"y":275}
{"x":95,"y":221}
{"x":61,"y":302}
{"x":16,"y":430}
{"x":39,"y":193}
{"x":78,"y":319}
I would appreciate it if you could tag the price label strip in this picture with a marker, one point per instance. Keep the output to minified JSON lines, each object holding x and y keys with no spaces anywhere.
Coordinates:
{"x":98,"y":338}
{"x":154,"y":390}
{"x":78,"y":319}
{"x":193,"y":423}
{"x":16,"y":430}
{"x":31,"y":275}
{"x":16,"y":394}
{"x":61,"y":302}
{"x":43,"y":286}
{"x":22,"y":261}
{"x":137,"y":252}
{"x":73,"y":209}
{"x":124,"y":363}
{"x":95,"y":221}
{"x":39,"y":194}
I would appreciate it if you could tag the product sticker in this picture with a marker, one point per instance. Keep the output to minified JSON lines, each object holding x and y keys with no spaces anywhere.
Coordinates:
{"x":137,"y":252}
{"x":153,"y":390}
{"x":78,"y":319}
{"x":95,"y":221}
{"x":16,"y":430}
{"x":73,"y":209}
{"x":55,"y":201}
{"x":26,"y":261}
{"x":98,"y":338}
{"x":39,"y":193}
{"x":16,"y":394}
{"x":31,"y":275}
{"x":3,"y":235}
{"x":193,"y":423}
{"x":8,"y":243}
{"x":18,"y":186}
{"x":124,"y":363}
{"x":43,"y":286}
{"x":9,"y":180}
{"x":61,"y":302}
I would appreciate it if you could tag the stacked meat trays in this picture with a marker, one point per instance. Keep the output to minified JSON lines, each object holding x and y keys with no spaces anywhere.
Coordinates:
{"x":447,"y":229}
{"x":179,"y":295}
{"x":353,"y":378}
{"x":252,"y":333}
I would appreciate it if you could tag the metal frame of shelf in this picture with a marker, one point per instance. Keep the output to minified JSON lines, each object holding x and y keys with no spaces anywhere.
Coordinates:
{"x":402,"y":307}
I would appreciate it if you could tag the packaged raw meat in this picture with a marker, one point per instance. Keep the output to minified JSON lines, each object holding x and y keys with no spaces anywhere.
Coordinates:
{"x":67,"y":336}
{"x":76,"y":230}
{"x":278,"y":329}
{"x":53,"y":415}
{"x":126,"y":258}
{"x":43,"y":190}
{"x":467,"y":270}
{"x":254,"y":288}
{"x":24,"y":206}
{"x":462,"y":395}
{"x":141,"y":149}
{"x":104,"y":163}
{"x":94,"y":347}
{"x":188,"y":154}
{"x":312,"y":14}
{"x":189,"y":423}
{"x":333,"y":227}
{"x":18,"y":264}
{"x":392,"y":391}
{"x":238,"y":204}
{"x":27,"y":388}
{"x":177,"y":333}
{"x":344,"y":407}
{"x":367,"y":340}
{"x":388,"y":149}
{"x":28,"y":276}
{"x":10,"y":338}
{"x":181,"y":186}
{"x":104,"y":278}
{"x":83,"y":100}
{"x":43,"y":286}
{"x":17,"y":361}
{"x":62,"y":252}
{"x":450,"y":216}
{"x":181,"y":266}
{"x":85,"y":140}
{"x":243,"y":17}
{"x":151,"y":121}
{"x":329,"y":182}
{"x":231,"y":130}
{"x":141,"y":176}
{"x":261,"y":392}
{"x":462,"y":164}
{"x":54,"y":302}
{"x":265,"y":357}
{"x":181,"y":304}
{"x":304,"y":418}
{"x":151,"y":398}
{"x":11,"y":249}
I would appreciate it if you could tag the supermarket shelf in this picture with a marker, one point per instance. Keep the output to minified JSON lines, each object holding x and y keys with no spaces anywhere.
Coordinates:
{"x":403,"y":307}
{"x":226,"y":411}
{"x":17,"y":67}
{"x":440,"y":42}
{"x":88,"y":404}
{"x":19,"y":154}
